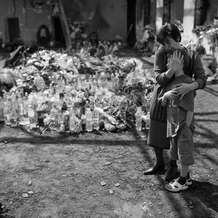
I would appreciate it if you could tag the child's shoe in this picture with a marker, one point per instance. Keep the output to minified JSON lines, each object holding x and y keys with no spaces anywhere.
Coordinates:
{"x":188,"y":180}
{"x":177,"y":185}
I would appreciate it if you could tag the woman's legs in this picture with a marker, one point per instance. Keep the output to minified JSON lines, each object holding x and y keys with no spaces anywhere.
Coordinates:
{"x":158,"y":140}
{"x":159,"y":166}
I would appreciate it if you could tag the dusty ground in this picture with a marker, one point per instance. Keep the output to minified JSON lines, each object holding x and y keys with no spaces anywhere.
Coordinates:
{"x":64,"y":176}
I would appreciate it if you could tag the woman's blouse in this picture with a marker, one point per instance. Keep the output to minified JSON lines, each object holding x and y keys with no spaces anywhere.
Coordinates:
{"x":192,"y":66}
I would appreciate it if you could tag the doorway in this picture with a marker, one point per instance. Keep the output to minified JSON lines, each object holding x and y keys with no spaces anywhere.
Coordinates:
{"x":58,"y":32}
{"x":177,"y":11}
{"x":201,"y":9}
{"x":147,"y":12}
{"x":166,"y":11}
{"x":13,"y":29}
{"x":131,"y":22}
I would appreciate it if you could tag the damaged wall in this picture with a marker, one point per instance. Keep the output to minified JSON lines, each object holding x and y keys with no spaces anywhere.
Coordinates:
{"x":29,"y":18}
{"x":109,"y":18}
{"x":212,"y":11}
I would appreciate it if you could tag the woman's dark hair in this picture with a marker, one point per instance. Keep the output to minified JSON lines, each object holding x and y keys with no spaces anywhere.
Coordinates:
{"x":168,"y":30}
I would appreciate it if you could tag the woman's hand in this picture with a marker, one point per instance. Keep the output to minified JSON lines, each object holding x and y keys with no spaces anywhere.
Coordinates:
{"x":168,"y":96}
{"x":184,"y":88}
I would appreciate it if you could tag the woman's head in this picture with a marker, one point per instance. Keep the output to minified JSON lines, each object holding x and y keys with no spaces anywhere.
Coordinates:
{"x":167,"y":33}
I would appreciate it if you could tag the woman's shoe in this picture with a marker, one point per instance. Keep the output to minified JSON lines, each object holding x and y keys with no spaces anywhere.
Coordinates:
{"x":157,"y":169}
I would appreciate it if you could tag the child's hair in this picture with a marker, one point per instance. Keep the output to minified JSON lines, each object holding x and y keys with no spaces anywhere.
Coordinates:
{"x":168,"y":30}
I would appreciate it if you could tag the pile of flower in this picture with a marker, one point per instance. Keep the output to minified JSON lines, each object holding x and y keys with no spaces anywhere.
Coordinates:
{"x":209,"y":29}
{"x":75,"y":93}
{"x":208,"y":36}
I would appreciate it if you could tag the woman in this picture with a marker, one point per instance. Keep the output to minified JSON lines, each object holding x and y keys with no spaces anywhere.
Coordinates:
{"x":169,"y":37}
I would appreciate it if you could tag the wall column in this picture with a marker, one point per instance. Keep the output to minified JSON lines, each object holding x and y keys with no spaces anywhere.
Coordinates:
{"x":189,"y":18}
{"x":159,"y":13}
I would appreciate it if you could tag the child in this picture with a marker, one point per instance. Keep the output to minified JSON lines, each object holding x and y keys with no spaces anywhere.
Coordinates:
{"x":179,"y":119}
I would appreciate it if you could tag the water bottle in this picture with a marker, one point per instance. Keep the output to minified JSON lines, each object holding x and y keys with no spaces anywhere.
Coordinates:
{"x":25,"y":105}
{"x":89,"y":121}
{"x":60,"y":121}
{"x":74,"y":123}
{"x":66,"y":120}
{"x":21,"y":106}
{"x":138,"y":119}
{"x":147,"y":126}
{"x":7,"y":109}
{"x":1,"y":109}
{"x":14,"y":110}
{"x":31,"y":110}
{"x":96,"y":119}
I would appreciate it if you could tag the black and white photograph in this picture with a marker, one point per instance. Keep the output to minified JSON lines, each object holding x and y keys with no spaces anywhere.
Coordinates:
{"x":108,"y":108}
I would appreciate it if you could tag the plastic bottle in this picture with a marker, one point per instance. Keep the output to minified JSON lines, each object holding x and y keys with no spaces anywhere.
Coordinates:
{"x":14,"y":110}
{"x":21,"y":106}
{"x":138,"y":119}
{"x":7,"y":109}
{"x":74,"y":122}
{"x":89,"y":120}
{"x":31,"y":110}
{"x":25,"y":105}
{"x":1,"y":109}
{"x":96,"y":119}
{"x":66,"y":120}
{"x":147,"y":126}
{"x":60,"y":121}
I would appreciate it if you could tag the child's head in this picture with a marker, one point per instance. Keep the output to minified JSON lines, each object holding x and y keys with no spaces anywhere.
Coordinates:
{"x":200,"y":50}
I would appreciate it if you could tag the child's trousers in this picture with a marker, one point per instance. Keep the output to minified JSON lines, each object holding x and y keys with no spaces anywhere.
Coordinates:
{"x":180,"y":123}
{"x":182,"y":146}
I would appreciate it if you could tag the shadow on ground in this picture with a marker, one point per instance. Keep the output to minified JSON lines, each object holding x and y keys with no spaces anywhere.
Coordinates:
{"x":200,"y":201}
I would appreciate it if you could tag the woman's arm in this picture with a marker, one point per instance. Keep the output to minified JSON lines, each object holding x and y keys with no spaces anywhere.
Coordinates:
{"x":199,"y":73}
{"x":199,"y":76}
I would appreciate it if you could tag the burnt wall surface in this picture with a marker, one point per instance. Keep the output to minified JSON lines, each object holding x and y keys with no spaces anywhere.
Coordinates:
{"x":30,"y":18}
{"x":108,"y":18}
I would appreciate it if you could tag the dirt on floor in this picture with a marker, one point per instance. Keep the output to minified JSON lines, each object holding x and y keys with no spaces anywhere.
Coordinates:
{"x":99,"y":176}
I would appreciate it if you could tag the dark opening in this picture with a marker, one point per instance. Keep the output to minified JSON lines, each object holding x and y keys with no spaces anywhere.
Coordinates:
{"x":58,"y":32}
{"x":13,"y":29}
{"x":201,"y":7}
{"x":131,"y":22}
{"x":166,"y":11}
{"x":147,"y":12}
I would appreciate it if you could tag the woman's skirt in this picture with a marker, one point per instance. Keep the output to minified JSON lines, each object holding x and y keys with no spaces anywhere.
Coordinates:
{"x":157,"y":136}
